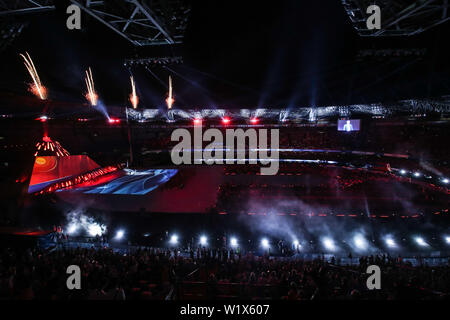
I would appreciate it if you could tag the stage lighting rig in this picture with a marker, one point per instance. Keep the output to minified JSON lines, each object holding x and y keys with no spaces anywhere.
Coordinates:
{"x":391,"y":53}
{"x":153,"y":61}
{"x":173,"y":239}
{"x":234,"y":242}
{"x":265,"y":243}
{"x":203,"y":241}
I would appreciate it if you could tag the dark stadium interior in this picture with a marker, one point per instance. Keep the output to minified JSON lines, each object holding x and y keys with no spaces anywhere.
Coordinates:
{"x":88,"y":177}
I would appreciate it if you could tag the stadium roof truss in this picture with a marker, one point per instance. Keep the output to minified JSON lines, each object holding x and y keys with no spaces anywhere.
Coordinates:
{"x":143,"y":23}
{"x":10,"y":26}
{"x":16,"y":7}
{"x":398,"y":17}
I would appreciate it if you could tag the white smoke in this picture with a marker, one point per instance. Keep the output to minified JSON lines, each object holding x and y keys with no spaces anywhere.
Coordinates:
{"x":79,"y":223}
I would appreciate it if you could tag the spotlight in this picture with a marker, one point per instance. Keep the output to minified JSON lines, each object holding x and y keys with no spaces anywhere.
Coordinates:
{"x":447,"y":239}
{"x":94,"y":229}
{"x":203,"y":240}
{"x":197,"y":121}
{"x":421,"y":242}
{"x":390,"y":242}
{"x":265,"y":243}
{"x":360,"y":242}
{"x":416,"y":174}
{"x":233,"y":242}
{"x":254,"y":120}
{"x":296,"y":244}
{"x":445,"y":180}
{"x":173,"y":239}
{"x":402,"y":171}
{"x":42,"y":118}
{"x":72,"y":229}
{"x":328,"y":243}
{"x":226,"y":120}
{"x":119,"y":234}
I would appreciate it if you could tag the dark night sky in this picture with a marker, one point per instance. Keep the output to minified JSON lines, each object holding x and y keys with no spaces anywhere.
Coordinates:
{"x":237,"y":54}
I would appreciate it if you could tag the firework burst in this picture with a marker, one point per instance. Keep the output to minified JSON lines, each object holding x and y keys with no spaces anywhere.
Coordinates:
{"x":36,"y":87}
{"x":170,"y":100}
{"x":91,"y":95}
{"x":134,"y":99}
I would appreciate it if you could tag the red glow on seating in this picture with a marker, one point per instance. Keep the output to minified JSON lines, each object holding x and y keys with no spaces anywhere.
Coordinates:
{"x":32,"y":233}
{"x":113,"y":120}
{"x":226,"y":120}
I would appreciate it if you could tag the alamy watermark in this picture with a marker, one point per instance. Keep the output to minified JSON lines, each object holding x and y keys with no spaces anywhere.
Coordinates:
{"x":374,"y":280}
{"x":374,"y":20}
{"x":74,"y":20}
{"x":190,"y":150}
{"x":74,"y":280}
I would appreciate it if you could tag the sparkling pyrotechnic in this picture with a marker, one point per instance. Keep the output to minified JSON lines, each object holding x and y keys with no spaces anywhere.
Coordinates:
{"x":37,"y":88}
{"x":170,"y":100}
{"x":133,"y":97}
{"x":91,"y":95}
{"x":49,"y":146}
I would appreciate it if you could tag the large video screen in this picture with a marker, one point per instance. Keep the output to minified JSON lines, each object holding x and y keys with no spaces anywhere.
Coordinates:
{"x":348,"y":125}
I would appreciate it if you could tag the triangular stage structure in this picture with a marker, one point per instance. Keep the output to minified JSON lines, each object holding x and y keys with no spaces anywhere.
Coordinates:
{"x":54,"y":168}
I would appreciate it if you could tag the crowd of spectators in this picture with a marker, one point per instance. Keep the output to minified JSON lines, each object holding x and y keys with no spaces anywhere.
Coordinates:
{"x":209,"y":274}
{"x":420,"y":140}
{"x":317,"y":182}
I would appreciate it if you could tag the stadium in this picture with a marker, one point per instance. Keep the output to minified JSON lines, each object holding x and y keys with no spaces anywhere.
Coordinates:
{"x":354,"y":122}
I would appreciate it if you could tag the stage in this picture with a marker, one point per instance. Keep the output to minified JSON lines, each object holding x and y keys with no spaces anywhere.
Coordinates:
{"x":155,"y":190}
{"x":297,"y":190}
